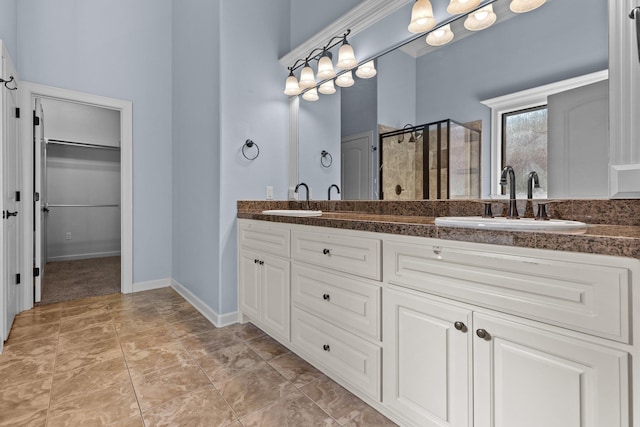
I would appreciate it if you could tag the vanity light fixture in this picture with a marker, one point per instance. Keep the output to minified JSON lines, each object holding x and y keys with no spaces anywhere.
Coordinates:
{"x":457,"y":7}
{"x":345,"y":79}
{"x":327,"y":88}
{"x":292,"y":87}
{"x":521,"y":6}
{"x":480,"y":19}
{"x":422,"y":19}
{"x":441,"y":36}
{"x":325,"y":66}
{"x":311,"y":95}
{"x":307,"y":79}
{"x":366,"y":70}
{"x":326,"y":72}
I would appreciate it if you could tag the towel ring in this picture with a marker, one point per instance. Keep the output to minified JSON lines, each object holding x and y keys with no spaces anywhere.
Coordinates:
{"x":249,"y":144}
{"x":11,"y":79}
{"x":325,"y":163}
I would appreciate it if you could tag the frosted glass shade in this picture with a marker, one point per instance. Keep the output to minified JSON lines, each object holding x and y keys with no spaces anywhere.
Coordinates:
{"x":366,"y":70}
{"x":480,"y":19}
{"x":311,"y":95}
{"x":521,"y":6}
{"x":291,"y":86}
{"x":461,"y":6}
{"x":327,"y":88}
{"x":422,"y":19}
{"x":441,"y":36}
{"x":307,"y":78}
{"x":325,"y":68}
{"x":346,"y":57}
{"x":345,"y":79}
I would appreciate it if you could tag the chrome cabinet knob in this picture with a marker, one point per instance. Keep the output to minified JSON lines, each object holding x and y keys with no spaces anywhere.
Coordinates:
{"x":326,"y":297}
{"x":481,"y":333}
{"x":326,"y":251}
{"x":326,"y":347}
{"x":460,"y":326}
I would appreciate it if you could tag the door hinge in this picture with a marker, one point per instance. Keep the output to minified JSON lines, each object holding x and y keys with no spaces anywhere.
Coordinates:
{"x":36,"y":197}
{"x":36,"y":272}
{"x":17,"y":113}
{"x":36,"y":119}
{"x":17,"y":196}
{"x":18,"y":279}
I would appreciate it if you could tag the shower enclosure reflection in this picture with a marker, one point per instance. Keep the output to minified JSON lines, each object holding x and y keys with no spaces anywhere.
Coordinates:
{"x":439,"y":160}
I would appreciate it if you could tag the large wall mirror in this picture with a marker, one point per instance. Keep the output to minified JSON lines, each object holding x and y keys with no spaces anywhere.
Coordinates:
{"x":554,"y":57}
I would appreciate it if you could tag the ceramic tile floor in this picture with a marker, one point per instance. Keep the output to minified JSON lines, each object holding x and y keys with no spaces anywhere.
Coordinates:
{"x":150,"y":359}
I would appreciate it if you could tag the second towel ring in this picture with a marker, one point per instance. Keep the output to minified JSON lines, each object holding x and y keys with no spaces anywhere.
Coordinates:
{"x":249,"y":144}
{"x":325,"y":163}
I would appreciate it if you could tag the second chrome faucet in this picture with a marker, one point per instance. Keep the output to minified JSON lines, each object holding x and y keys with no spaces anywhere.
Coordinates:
{"x":507,"y":171}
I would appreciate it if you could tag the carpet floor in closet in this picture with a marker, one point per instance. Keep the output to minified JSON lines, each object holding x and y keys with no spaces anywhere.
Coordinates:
{"x":77,"y":279}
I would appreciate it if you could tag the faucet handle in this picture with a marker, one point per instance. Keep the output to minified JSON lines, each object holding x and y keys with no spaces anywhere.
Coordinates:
{"x":542,"y":211}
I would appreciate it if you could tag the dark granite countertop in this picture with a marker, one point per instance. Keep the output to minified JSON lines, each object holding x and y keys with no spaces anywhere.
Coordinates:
{"x":605,"y":239}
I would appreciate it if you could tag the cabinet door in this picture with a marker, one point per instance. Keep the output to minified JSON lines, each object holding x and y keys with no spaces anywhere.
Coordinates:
{"x":426,"y":359}
{"x":527,"y":377}
{"x":276,"y":285}
{"x":249,"y":284}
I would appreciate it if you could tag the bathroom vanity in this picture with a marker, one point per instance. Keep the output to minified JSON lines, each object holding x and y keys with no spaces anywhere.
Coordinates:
{"x":433,"y":328}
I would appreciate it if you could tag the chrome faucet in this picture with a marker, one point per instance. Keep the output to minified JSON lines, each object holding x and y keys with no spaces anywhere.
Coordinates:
{"x":302,"y":184}
{"x":512,"y":213}
{"x":329,"y":192}
{"x":532,"y":182}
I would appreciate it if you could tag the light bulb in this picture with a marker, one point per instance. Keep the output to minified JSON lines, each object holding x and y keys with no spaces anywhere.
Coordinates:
{"x":462,"y":6}
{"x":366,"y":70}
{"x":307,"y":79}
{"x":345,"y":79}
{"x":441,"y":36}
{"x":480,"y":19}
{"x":521,"y":6}
{"x":291,"y":87}
{"x":311,"y":95}
{"x":327,"y":88}
{"x":346,"y":57}
{"x":422,"y":19}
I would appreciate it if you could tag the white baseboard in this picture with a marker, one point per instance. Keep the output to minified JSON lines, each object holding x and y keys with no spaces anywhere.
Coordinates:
{"x":82,"y":256}
{"x":151,"y":284}
{"x":219,"y":320}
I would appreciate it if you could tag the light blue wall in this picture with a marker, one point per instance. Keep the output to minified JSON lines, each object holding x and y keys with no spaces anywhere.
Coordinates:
{"x":396,"y":89}
{"x":549,"y":44}
{"x":9,"y":27}
{"x":196,"y":147}
{"x":253,"y":106}
{"x":359,"y":107}
{"x":119,"y":49}
{"x":308,"y":17}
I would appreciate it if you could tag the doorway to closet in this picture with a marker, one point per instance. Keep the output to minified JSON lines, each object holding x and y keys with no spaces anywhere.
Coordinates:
{"x":77,"y":203}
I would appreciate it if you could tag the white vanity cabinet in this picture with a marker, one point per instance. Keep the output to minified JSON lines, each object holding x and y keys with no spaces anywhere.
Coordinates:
{"x":264,"y":276}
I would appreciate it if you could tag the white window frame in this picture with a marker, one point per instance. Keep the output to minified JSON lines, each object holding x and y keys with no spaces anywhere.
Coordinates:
{"x":522,"y":100}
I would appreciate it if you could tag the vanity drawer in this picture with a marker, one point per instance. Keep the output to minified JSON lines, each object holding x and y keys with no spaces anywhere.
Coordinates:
{"x":350,"y":254}
{"x":586,"y":293}
{"x":349,"y":357}
{"x":352,"y":304}
{"x":265,"y":237}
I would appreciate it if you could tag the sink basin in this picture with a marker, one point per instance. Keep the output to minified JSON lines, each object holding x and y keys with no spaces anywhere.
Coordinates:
{"x":292,"y":212}
{"x":522,"y":224}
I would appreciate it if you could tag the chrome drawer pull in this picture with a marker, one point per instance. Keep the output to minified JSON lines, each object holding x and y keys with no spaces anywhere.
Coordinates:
{"x":326,"y":251}
{"x":481,"y":333}
{"x":326,"y":347}
{"x":326,"y":297}
{"x":460,"y":326}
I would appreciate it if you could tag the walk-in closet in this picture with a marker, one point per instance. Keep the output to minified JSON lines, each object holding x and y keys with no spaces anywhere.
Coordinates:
{"x":77,"y":180}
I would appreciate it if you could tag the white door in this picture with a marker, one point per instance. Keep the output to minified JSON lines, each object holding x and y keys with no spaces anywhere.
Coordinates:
{"x":40,"y":188}
{"x":527,"y":377}
{"x":275,"y":290}
{"x":249,"y":284}
{"x":11,"y":204}
{"x":426,"y":359}
{"x":357,"y":180}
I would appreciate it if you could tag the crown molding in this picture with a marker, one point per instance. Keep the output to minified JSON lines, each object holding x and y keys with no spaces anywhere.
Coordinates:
{"x":367,"y":13}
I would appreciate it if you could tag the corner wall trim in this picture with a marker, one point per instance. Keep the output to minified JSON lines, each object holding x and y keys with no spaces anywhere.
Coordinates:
{"x":219,"y":320}
{"x":151,"y":284}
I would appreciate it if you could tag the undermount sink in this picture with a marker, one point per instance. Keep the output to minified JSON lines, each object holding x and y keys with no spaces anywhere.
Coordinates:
{"x":292,"y":212}
{"x":522,"y":224}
